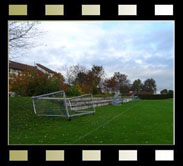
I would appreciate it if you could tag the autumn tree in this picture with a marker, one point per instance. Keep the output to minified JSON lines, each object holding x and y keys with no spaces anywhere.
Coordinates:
{"x":74,"y":90}
{"x":111,"y":83}
{"x":58,"y":77}
{"x":87,"y":80}
{"x":82,"y":80}
{"x":32,"y":82}
{"x":118,"y":82}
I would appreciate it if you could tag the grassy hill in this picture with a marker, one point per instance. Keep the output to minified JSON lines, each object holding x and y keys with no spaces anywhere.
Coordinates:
{"x":138,"y":122}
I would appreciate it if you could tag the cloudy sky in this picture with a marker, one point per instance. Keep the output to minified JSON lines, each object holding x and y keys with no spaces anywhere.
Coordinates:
{"x":139,"y":49}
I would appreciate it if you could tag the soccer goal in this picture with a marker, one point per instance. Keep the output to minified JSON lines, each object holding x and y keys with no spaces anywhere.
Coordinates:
{"x":56,"y":104}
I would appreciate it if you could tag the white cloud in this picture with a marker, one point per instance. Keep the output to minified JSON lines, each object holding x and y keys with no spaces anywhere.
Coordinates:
{"x":138,"y":49}
{"x":138,"y":61}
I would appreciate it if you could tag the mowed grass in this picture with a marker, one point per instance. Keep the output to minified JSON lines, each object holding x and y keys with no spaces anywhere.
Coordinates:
{"x":138,"y":122}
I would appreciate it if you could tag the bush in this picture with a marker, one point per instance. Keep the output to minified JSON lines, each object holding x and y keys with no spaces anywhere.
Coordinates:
{"x":32,"y":82}
{"x":73,"y":91}
{"x":95,"y":91}
{"x":155,"y":97}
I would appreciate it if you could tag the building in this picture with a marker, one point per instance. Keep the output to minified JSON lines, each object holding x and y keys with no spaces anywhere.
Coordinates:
{"x":45,"y":69}
{"x":16,"y":68}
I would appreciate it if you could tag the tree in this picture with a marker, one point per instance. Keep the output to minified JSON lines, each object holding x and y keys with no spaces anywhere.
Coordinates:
{"x":59,"y":78}
{"x":125,"y":89}
{"x":110,"y":83}
{"x":21,"y":34}
{"x":87,"y":80}
{"x":32,"y":82}
{"x":170,"y":92}
{"x":72,"y":72}
{"x":137,"y":86}
{"x":164,"y":91}
{"x":84,"y":82}
{"x":149,"y":85}
{"x":73,"y":91}
{"x":118,"y":82}
{"x":123,"y":83}
{"x":98,"y":72}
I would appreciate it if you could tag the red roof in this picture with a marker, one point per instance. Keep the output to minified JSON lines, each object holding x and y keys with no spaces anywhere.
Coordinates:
{"x":19,"y":66}
{"x":45,"y":68}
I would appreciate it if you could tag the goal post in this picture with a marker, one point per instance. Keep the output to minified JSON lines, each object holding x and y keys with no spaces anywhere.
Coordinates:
{"x":51,"y":104}
{"x":56,"y":104}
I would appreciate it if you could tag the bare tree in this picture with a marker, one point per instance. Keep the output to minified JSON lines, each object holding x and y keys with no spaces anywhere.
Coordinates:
{"x":20,"y":36}
{"x":71,"y":72}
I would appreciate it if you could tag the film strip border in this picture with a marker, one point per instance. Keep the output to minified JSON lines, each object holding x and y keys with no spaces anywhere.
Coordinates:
{"x":89,"y":155}
{"x":23,"y":156}
{"x":91,"y":10}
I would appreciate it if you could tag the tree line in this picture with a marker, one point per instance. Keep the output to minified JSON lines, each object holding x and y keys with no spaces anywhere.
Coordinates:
{"x":166,"y":91}
{"x":78,"y":80}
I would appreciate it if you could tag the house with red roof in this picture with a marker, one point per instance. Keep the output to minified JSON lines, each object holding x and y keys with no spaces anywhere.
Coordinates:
{"x":16,"y":68}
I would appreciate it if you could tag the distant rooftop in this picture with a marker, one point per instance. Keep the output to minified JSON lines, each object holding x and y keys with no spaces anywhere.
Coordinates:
{"x":20,"y":66}
{"x":45,"y":68}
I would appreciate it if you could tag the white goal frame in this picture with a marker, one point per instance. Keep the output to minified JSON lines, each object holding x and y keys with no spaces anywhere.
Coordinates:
{"x":67,"y":103}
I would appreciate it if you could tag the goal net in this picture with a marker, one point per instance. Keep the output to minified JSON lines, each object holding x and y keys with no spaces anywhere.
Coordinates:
{"x":56,"y":104}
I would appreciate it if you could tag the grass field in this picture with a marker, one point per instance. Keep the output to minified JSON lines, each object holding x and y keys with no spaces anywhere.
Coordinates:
{"x":138,"y":122}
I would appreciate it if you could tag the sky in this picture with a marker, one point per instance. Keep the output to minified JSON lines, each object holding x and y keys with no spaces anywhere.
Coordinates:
{"x":139,"y":49}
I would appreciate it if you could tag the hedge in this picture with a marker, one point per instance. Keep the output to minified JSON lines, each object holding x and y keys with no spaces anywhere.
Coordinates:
{"x":156,"y":96}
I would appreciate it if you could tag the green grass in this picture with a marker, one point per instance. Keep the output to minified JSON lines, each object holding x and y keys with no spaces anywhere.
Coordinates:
{"x":138,"y":122}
